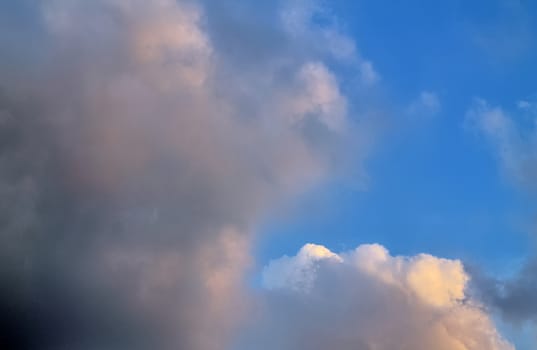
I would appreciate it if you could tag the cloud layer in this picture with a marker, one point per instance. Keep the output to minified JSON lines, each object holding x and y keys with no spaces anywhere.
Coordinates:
{"x":368,"y":299}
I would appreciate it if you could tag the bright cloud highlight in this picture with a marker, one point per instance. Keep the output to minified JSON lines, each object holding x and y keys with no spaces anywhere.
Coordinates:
{"x":369,"y":299}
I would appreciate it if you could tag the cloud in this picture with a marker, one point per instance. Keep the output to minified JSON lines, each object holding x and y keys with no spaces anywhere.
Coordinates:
{"x":514,"y":297}
{"x":299,"y":17}
{"x":140,"y":146}
{"x":318,"y":95}
{"x":427,"y":104}
{"x":369,"y":74}
{"x":523,"y":104}
{"x":368,"y":299}
{"x":296,"y":273}
{"x":513,"y":137}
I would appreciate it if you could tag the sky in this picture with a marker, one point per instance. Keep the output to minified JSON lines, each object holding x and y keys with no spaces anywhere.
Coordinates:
{"x":287,"y":174}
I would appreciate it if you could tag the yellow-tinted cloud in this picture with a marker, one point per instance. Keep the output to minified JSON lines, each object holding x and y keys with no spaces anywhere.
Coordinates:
{"x":368,"y":299}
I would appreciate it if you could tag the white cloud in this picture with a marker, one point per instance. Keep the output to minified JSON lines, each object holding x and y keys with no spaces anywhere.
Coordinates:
{"x":317,"y":95}
{"x":523,"y":104}
{"x":513,"y":137}
{"x":298,"y":272}
{"x":326,"y":40}
{"x":368,"y":73}
{"x":368,"y":299}
{"x":426,"y":104}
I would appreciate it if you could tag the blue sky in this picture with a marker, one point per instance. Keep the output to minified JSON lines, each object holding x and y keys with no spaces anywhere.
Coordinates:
{"x":250,"y":175}
{"x":435,"y":184}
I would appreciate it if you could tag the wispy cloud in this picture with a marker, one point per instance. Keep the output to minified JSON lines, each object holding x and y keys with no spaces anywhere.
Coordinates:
{"x":513,"y":137}
{"x":427,"y":104}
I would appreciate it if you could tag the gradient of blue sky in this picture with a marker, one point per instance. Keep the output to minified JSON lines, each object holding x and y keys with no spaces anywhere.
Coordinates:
{"x":435,"y":185}
{"x":433,"y":181}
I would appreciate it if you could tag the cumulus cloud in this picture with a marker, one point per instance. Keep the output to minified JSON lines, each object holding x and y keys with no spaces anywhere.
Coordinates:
{"x":141,"y":142}
{"x":369,"y":299}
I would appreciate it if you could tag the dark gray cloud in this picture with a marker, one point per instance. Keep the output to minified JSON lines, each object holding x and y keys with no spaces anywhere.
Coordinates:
{"x":513,"y":297}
